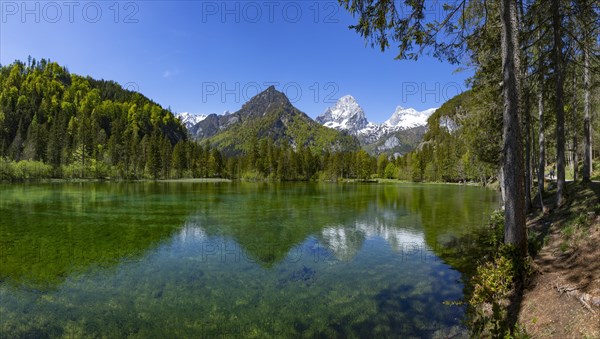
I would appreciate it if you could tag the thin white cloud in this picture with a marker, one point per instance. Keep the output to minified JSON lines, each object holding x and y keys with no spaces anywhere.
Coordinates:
{"x":170,"y":73}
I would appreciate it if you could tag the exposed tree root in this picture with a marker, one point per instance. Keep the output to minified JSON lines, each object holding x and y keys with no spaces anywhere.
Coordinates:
{"x":585,"y":299}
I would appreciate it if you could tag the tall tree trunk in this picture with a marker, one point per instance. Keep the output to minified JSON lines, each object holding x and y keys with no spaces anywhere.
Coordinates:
{"x":502,"y":183}
{"x":558,"y":103}
{"x":534,"y":154}
{"x":528,"y":177}
{"x":83,"y":161}
{"x":541,"y":139}
{"x":575,"y":120}
{"x":514,"y":203}
{"x":525,"y":113}
{"x":587,"y":123}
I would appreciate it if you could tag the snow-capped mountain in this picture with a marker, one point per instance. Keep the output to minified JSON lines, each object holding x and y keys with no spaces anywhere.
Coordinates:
{"x":396,"y":135}
{"x":408,"y":118}
{"x":190,"y":119}
{"x":346,"y":115}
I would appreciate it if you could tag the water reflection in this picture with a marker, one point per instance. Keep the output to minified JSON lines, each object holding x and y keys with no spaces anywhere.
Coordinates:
{"x":48,"y":232}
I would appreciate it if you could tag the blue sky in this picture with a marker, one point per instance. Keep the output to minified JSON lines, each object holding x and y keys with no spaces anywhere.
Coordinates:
{"x":211,"y":56}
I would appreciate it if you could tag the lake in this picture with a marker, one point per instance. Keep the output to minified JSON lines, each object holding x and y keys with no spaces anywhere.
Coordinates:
{"x":229,"y":260}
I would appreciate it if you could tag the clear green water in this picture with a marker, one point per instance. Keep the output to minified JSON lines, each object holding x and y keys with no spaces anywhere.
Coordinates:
{"x":234,"y":259}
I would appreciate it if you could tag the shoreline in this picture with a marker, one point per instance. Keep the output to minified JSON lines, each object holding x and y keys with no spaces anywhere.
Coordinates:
{"x":219,"y":180}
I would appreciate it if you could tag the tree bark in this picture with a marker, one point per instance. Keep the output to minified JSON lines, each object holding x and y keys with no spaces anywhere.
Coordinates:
{"x":514,"y":203}
{"x":541,"y":138}
{"x":575,"y":120}
{"x":525,"y":113}
{"x":502,"y":183}
{"x":528,"y":178}
{"x":587,"y":123}
{"x":558,"y":103}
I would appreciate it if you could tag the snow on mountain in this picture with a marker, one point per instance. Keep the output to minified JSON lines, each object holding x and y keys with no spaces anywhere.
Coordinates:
{"x":190,"y":119}
{"x":346,"y":114}
{"x":404,"y":118}
{"x":403,"y":128}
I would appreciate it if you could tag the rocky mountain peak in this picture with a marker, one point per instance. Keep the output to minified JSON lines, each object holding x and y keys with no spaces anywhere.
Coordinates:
{"x":346,"y":114}
{"x":396,"y":135}
{"x":263,"y":101}
{"x":269,"y":96}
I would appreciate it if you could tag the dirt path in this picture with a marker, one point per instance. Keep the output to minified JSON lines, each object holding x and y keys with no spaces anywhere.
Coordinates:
{"x":563,"y":298}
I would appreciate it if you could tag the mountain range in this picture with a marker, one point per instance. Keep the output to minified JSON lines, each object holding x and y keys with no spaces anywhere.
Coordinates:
{"x":399,"y":134}
{"x":271,"y":114}
{"x":267,"y":116}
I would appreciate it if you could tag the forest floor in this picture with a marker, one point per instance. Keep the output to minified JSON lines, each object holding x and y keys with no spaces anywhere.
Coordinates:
{"x":562,"y":299}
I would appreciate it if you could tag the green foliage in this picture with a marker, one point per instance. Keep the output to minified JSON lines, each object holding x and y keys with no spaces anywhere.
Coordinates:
{"x":390,"y":171}
{"x":275,"y":163}
{"x":581,"y":221}
{"x":567,"y":232}
{"x":499,"y":272}
{"x":252,"y":175}
{"x":383,"y":23}
{"x":575,"y":230}
{"x":363,"y":165}
{"x":496,"y":237}
{"x":493,"y":280}
{"x":80,"y":127}
{"x":25,"y":169}
{"x":492,"y":285}
{"x":72,"y":171}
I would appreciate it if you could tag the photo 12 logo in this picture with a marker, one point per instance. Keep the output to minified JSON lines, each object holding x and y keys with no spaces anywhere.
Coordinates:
{"x":270,"y":11}
{"x":224,"y":252}
{"x":69,"y":11}
{"x":239,"y":92}
{"x":131,"y":86}
{"x":429,"y":92}
{"x":435,"y":10}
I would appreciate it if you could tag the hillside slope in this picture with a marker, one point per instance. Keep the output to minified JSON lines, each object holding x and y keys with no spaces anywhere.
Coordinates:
{"x":61,"y":119}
